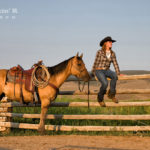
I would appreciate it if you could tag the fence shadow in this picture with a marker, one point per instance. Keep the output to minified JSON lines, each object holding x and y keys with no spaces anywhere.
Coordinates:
{"x":1,"y":148}
{"x":86,"y":148}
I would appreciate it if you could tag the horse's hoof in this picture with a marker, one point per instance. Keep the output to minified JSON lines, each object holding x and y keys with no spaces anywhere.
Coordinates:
{"x":41,"y":131}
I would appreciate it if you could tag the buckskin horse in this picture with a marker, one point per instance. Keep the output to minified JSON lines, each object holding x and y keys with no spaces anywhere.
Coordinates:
{"x":58,"y":74}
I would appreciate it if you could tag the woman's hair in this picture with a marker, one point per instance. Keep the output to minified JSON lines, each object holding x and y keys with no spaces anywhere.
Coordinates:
{"x":104,"y":47}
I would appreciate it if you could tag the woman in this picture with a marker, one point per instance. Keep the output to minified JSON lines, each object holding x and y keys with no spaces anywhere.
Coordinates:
{"x":103,"y":60}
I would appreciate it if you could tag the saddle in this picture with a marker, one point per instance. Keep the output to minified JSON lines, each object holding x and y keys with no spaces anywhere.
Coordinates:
{"x":18,"y":75}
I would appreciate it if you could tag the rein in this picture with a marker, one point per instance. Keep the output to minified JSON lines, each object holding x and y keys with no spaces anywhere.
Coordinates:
{"x":81,"y":90}
{"x":79,"y":83}
{"x":88,"y":94}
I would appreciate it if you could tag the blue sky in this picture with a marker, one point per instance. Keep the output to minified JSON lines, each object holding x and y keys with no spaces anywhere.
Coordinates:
{"x":55,"y":30}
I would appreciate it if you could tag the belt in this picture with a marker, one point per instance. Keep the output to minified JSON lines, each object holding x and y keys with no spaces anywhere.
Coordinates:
{"x":100,"y":69}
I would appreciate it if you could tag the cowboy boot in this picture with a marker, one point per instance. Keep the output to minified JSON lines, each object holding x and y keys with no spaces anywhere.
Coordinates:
{"x":100,"y":99}
{"x":112,"y":96}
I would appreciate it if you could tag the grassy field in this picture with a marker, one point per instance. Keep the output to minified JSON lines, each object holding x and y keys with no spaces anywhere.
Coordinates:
{"x":82,"y":110}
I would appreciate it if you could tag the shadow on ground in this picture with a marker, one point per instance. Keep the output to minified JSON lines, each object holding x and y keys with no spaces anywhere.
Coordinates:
{"x":86,"y":148}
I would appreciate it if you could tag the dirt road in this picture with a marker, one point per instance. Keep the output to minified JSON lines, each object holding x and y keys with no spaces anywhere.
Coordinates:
{"x":74,"y":142}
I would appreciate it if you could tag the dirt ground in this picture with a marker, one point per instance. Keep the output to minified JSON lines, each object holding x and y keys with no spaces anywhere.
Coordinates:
{"x":74,"y":142}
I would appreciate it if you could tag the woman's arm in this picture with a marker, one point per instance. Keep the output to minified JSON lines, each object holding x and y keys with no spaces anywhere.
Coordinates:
{"x":115,"y":63}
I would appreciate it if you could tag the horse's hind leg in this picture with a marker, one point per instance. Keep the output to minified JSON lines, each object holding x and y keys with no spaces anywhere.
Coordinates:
{"x":3,"y":74}
{"x":1,"y":96}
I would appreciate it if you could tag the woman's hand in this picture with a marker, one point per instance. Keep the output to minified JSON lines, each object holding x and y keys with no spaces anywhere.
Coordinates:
{"x":91,"y":74}
{"x":122,"y":75}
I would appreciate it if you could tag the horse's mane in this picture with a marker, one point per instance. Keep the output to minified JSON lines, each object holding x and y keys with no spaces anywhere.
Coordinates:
{"x":59,"y":67}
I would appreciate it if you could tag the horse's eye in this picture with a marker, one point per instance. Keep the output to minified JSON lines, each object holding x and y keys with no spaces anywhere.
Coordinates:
{"x":79,"y":65}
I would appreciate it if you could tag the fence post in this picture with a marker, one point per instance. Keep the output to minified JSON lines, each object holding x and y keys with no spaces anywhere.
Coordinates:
{"x":4,"y":109}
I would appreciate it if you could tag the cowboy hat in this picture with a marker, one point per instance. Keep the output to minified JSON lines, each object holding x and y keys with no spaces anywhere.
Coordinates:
{"x":108,"y":38}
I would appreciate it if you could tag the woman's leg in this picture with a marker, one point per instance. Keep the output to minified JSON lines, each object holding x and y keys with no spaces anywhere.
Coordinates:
{"x":104,"y":83}
{"x":112,"y":92}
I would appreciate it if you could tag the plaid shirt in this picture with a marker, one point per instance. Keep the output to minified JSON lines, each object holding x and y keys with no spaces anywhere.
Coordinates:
{"x":101,"y":61}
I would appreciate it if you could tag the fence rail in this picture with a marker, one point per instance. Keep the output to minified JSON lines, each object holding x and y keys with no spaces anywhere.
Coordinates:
{"x":76,"y":104}
{"x":78,"y":117}
{"x":75,"y":128}
{"x":119,"y":91}
{"x":125,"y":77}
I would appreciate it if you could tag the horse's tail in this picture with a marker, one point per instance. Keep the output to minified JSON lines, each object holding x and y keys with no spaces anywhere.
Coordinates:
{"x":3,"y":76}
{"x":1,"y":96}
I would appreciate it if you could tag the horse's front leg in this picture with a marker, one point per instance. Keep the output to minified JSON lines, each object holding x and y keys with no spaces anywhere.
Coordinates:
{"x":44,"y":107}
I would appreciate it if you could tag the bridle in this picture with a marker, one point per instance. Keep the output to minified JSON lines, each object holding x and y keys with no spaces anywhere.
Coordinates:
{"x":80,"y":71}
{"x":79,"y":83}
{"x":73,"y":66}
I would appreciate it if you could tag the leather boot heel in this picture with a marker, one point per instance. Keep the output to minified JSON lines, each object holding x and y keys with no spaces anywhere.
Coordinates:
{"x":100,"y":99}
{"x":115,"y":100}
{"x":102,"y":104}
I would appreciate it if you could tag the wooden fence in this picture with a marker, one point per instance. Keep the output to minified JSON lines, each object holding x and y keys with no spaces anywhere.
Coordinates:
{"x":6,"y":112}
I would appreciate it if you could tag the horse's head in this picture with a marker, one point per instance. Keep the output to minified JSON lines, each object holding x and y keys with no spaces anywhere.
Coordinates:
{"x":78,"y":68}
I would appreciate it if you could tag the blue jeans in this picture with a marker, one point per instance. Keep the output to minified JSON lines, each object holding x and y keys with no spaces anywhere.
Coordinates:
{"x":102,"y":76}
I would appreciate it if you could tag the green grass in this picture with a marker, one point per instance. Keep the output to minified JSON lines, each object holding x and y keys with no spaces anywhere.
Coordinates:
{"x":82,"y":110}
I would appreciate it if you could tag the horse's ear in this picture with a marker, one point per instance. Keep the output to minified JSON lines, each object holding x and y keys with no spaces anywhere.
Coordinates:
{"x":81,"y":56}
{"x":77,"y":55}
